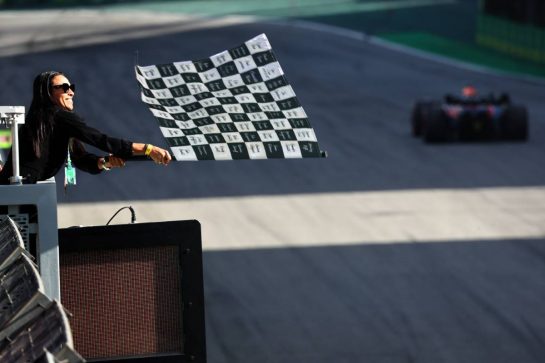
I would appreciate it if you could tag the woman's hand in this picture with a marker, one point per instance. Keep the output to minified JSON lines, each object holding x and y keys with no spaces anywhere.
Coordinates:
{"x":160,"y":156}
{"x":110,"y":162}
{"x":115,"y":162}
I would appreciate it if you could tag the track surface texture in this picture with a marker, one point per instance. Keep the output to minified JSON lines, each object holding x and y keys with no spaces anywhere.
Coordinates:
{"x":389,"y":250}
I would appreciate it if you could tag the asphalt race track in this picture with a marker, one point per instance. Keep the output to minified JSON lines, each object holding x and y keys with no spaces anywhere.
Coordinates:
{"x":389,"y":250}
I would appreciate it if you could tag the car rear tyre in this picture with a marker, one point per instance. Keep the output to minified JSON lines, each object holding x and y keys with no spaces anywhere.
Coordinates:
{"x":435,"y":125}
{"x":514,"y":123}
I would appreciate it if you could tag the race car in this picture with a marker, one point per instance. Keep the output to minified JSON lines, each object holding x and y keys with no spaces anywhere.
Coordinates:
{"x":469,"y":117}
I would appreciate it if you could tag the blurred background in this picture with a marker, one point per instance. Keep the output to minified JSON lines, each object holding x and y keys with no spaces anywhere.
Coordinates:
{"x":390,"y":249}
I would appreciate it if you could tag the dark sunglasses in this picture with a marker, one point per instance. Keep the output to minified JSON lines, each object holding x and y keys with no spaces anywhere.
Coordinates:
{"x":65,"y":87}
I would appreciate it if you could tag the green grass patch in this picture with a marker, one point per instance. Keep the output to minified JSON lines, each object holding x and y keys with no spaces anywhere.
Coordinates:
{"x":465,"y":52}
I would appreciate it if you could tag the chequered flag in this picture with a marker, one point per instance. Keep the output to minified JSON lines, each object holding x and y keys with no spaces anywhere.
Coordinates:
{"x":236,"y":104}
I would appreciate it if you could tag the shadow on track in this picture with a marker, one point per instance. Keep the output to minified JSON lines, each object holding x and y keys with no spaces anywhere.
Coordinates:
{"x":474,"y":301}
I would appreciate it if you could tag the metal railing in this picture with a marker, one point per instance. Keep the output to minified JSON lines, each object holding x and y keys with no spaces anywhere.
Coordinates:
{"x":43,"y":196}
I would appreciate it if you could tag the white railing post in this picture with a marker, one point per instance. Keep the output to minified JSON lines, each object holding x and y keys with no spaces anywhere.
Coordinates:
{"x":14,"y":116}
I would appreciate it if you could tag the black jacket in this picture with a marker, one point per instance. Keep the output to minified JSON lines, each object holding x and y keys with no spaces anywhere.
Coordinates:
{"x":66,"y":125}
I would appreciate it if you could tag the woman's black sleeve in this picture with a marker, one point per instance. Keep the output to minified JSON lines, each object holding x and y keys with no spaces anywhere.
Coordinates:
{"x":83,"y":159}
{"x":75,"y":127}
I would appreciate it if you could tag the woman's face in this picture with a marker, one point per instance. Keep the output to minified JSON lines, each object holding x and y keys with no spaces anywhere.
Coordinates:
{"x":61,"y":94}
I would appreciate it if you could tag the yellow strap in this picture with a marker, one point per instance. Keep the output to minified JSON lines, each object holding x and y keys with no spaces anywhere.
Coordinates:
{"x":149,"y":147}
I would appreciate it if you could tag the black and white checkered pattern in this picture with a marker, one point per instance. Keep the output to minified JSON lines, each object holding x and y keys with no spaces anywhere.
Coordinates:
{"x":236,"y":104}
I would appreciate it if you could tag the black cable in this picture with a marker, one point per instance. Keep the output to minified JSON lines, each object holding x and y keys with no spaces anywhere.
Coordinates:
{"x":133,"y":215}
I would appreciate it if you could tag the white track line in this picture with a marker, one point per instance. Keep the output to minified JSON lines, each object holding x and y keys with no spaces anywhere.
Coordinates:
{"x":33,"y":31}
{"x":340,"y":218}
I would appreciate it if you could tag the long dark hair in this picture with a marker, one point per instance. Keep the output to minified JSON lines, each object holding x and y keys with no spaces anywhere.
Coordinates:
{"x":39,"y":118}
